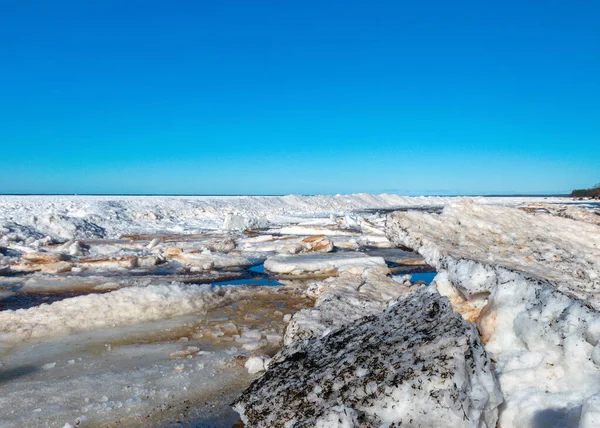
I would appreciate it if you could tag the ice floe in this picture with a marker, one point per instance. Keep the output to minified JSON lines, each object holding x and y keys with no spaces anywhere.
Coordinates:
{"x":320,"y":263}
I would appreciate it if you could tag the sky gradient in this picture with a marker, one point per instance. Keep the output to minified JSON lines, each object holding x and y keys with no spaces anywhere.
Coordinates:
{"x":277,"y":97}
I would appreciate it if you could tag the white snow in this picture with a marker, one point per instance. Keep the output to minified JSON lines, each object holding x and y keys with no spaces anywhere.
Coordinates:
{"x":566,"y":252}
{"x":140,"y":353}
{"x":530,"y":280}
{"x":311,"y":263}
{"x":257,"y":364}
{"x":121,"y":307}
{"x":79,"y":217}
{"x":574,"y":212}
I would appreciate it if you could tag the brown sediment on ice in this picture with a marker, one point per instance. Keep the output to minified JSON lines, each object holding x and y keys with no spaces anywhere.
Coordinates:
{"x":257,"y":318}
{"x":263,"y":311}
{"x":127,"y":262}
{"x":317,"y":230}
{"x":43,"y":258}
{"x":318,"y":243}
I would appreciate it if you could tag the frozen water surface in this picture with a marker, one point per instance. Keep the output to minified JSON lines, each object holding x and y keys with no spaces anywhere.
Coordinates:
{"x":153,"y":311}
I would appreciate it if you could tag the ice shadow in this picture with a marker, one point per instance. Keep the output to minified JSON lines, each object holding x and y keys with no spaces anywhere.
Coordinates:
{"x":557,"y":418}
{"x":8,"y":375}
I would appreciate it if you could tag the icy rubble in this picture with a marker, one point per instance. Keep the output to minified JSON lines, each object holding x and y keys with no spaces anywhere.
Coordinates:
{"x":72,"y":245}
{"x":286,"y":244}
{"x":416,"y":364}
{"x":343,"y":300}
{"x":530,"y":281}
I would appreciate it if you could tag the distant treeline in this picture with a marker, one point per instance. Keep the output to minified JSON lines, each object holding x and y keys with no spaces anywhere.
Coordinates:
{"x":594,"y":192}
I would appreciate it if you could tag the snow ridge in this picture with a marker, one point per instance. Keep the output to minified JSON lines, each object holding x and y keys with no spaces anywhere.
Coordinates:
{"x":79,"y":217}
{"x":118,"y":308}
{"x":530,"y":282}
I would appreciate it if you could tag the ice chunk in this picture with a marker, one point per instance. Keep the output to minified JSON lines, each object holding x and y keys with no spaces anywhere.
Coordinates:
{"x":563,"y":251}
{"x":153,"y":243}
{"x":418,"y":363}
{"x":257,"y":364}
{"x":305,"y":263}
{"x":343,"y":300}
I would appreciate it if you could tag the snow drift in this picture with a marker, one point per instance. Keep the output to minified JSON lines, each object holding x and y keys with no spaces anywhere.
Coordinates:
{"x":89,"y":217}
{"x":117,"y":308}
{"x":530,"y":281}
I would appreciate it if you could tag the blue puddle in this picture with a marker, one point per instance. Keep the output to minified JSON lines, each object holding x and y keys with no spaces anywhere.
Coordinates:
{"x":426,"y":277}
{"x":260,"y":279}
{"x":258,"y":268}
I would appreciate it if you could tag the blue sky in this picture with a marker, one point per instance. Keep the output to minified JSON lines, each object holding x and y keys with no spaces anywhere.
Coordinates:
{"x":275,"y":97}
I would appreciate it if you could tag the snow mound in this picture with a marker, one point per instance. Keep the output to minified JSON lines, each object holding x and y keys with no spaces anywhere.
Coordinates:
{"x":416,"y":364}
{"x":62,"y":226}
{"x":121,"y":307}
{"x":569,"y":211}
{"x":15,"y":232}
{"x":529,"y":281}
{"x":80,"y":217}
{"x":563,"y":251}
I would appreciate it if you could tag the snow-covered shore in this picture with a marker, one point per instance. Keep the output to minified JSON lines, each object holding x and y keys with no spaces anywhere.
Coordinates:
{"x":121,"y":325}
{"x":79,"y":217}
{"x":527,"y":277}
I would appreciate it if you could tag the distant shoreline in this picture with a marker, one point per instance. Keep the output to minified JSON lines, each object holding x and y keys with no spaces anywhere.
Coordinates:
{"x":502,"y":195}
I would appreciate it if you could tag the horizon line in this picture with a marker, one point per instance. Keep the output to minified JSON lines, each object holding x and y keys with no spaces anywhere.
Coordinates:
{"x":450,"y":195}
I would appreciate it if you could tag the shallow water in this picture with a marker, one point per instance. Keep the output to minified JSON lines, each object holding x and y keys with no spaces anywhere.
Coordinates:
{"x":426,"y":277}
